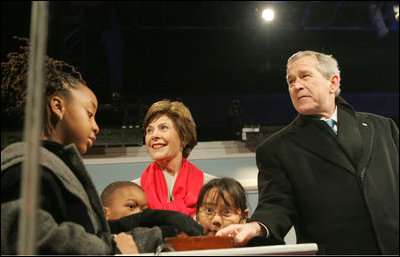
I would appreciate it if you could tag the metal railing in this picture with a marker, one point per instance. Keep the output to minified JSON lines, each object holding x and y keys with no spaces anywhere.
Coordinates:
{"x":30,"y":182}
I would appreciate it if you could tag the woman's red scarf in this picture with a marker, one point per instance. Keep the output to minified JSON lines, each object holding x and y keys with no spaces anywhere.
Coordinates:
{"x":186,"y":188}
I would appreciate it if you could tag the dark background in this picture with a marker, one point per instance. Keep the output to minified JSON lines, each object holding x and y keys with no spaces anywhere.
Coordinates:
{"x":209,"y":54}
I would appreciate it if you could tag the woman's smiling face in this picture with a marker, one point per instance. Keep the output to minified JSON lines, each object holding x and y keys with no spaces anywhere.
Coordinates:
{"x":162,"y":139}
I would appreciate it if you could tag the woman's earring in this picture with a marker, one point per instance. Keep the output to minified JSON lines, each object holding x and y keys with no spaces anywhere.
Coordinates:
{"x":61,"y":116}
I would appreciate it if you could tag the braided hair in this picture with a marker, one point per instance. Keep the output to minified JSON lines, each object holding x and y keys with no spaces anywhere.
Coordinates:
{"x":59,"y":78}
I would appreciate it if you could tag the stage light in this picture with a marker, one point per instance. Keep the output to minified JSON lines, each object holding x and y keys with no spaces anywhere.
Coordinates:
{"x":268,"y":14}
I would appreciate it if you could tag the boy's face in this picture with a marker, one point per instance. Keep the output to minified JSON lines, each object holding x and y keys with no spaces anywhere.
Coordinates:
{"x":214,"y":214}
{"x":125,"y":201}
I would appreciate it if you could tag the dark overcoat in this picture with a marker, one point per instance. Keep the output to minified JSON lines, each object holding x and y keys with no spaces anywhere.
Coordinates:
{"x":339,"y":191}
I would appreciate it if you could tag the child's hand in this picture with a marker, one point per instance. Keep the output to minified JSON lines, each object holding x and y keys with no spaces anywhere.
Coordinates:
{"x":182,"y":234}
{"x":125,"y":243}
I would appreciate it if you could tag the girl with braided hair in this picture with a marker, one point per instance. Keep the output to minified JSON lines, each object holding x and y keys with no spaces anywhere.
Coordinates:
{"x":70,"y":217}
{"x":70,"y":214}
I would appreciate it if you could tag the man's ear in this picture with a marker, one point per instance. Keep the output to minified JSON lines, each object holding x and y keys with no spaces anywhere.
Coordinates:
{"x":107,"y":212}
{"x":57,"y":106}
{"x":335,"y":82}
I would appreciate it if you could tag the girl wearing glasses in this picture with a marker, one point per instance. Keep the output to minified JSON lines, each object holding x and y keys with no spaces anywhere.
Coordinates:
{"x":221,"y":202}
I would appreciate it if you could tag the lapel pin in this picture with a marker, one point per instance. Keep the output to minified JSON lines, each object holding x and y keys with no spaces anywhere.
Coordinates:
{"x":364,"y":124}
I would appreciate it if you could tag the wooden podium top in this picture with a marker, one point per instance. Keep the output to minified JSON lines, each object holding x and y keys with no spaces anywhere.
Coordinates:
{"x":199,"y":242}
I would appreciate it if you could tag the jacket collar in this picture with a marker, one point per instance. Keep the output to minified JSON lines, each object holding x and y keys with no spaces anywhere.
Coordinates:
{"x":313,"y":134}
{"x":358,"y":129}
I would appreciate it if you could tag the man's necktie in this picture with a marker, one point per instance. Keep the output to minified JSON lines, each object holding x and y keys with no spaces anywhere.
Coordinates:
{"x":331,"y":124}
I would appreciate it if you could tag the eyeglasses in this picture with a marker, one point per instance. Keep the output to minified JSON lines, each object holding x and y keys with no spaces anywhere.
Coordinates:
{"x":210,"y":212}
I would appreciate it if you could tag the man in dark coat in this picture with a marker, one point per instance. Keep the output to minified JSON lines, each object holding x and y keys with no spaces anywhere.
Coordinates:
{"x":337,"y":185}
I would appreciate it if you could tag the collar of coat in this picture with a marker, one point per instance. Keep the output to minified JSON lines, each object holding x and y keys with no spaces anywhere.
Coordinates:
{"x":350,"y":149}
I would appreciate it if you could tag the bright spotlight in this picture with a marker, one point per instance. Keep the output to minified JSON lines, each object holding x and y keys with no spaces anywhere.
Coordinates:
{"x":268,"y":14}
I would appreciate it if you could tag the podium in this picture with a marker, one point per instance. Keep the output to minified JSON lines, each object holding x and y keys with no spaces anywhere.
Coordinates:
{"x":292,"y":249}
